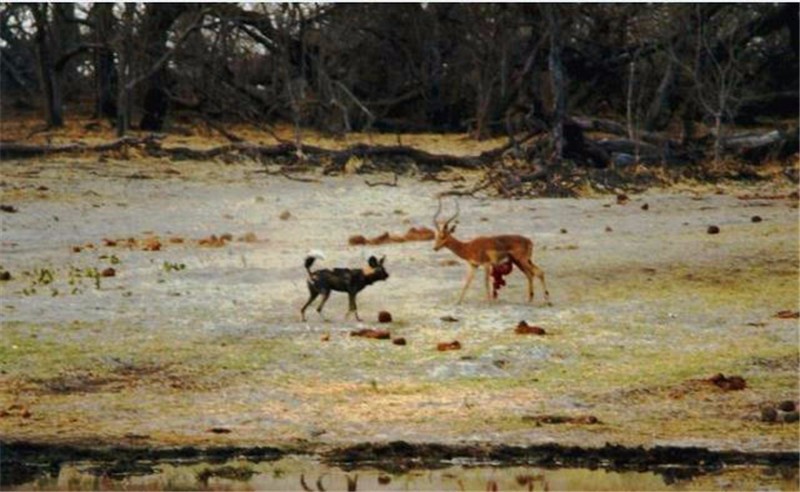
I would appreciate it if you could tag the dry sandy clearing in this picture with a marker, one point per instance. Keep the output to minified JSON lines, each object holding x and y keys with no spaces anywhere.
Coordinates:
{"x":193,"y":344}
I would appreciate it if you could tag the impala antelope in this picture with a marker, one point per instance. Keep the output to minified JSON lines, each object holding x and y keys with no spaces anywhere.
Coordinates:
{"x":489,"y":252}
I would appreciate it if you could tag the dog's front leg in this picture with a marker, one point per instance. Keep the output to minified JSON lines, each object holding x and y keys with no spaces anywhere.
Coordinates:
{"x":353,"y":308}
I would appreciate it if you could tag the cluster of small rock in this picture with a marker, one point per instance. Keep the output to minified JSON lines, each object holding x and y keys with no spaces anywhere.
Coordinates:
{"x":785,"y":411}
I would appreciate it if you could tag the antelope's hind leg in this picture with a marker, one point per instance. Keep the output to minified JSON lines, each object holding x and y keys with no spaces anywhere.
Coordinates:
{"x":529,"y":277}
{"x":527,"y":268}
{"x":488,"y":270}
{"x":539,"y":273}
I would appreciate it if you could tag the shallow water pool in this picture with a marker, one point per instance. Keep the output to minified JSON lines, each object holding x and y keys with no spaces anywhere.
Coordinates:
{"x":309,"y":474}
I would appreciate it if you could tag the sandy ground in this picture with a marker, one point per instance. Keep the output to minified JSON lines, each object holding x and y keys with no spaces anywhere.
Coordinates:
{"x":203,"y":345}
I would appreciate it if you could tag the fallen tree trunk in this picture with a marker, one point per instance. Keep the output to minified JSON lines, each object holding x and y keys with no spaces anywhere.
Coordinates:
{"x":750,"y":139}
{"x":626,"y":146}
{"x":756,"y":147}
{"x":152,"y":146}
{"x":614,"y":128}
{"x":626,"y":151}
{"x":338,"y":157}
{"x":14,"y":150}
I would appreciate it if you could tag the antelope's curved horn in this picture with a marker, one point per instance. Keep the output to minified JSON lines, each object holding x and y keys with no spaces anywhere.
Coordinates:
{"x":438,"y":211}
{"x":458,"y":211}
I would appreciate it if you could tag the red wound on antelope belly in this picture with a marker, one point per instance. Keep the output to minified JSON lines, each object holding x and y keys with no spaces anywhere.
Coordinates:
{"x":499,"y":271}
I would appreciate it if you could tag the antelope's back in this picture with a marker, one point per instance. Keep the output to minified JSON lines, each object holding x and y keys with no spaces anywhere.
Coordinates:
{"x":503,"y":245}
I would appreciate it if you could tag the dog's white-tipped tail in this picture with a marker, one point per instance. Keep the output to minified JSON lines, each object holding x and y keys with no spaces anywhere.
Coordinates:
{"x":310,"y":257}
{"x":315,"y":253}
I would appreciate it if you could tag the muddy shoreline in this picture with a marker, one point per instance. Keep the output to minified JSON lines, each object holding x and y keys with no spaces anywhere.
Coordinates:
{"x":21,"y":461}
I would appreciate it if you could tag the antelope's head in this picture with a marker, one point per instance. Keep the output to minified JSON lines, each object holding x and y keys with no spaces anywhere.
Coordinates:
{"x":444,"y":229}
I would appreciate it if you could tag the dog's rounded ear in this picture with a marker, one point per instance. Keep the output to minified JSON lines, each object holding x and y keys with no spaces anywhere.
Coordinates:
{"x":383,"y":258}
{"x":373,"y":262}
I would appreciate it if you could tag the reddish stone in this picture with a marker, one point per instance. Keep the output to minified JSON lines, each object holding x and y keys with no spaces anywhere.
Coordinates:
{"x":732,"y":383}
{"x":445,"y":346}
{"x":371,"y":333}
{"x":523,"y":328}
{"x":357,"y":240}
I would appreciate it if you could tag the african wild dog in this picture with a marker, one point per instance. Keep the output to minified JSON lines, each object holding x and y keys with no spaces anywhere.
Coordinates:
{"x":350,"y":280}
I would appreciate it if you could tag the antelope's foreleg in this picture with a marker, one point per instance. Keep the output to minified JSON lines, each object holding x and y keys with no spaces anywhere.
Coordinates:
{"x":470,"y":276}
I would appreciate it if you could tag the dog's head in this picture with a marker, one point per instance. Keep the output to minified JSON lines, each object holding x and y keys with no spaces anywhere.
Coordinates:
{"x":375,"y":269}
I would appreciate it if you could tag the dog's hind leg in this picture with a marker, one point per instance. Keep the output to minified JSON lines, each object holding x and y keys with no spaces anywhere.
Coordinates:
{"x":325,"y":295}
{"x":313,"y":293}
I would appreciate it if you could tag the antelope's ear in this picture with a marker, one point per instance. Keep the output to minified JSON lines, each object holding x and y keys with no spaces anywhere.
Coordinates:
{"x":373,"y":262}
{"x":452,"y":228}
{"x":383,"y":258}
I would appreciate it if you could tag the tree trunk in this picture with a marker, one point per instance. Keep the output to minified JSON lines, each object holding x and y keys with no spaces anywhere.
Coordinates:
{"x":51,"y":89}
{"x":124,"y":71}
{"x":158,"y":20}
{"x":659,"y":111}
{"x":67,"y":37}
{"x":632,"y":108}
{"x":629,"y":99}
{"x":557,"y":81}
{"x":717,"y":136}
{"x":105,"y":72}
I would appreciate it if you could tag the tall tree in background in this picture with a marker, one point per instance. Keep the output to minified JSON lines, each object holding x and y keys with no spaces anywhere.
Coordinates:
{"x":557,"y":80}
{"x":124,"y":63}
{"x":103,"y":22}
{"x":48,"y":78}
{"x":409,"y":67}
{"x":157,"y":21}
